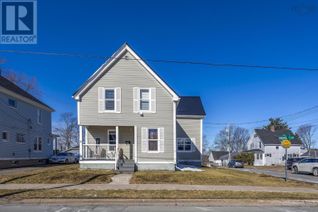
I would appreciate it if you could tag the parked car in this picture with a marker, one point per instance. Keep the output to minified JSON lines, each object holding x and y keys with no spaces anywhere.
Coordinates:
{"x":306,"y":165}
{"x":64,"y":157}
{"x":290,"y":162}
{"x":236,"y":164}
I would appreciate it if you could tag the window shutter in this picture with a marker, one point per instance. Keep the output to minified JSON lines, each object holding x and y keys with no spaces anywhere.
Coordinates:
{"x":101,"y":99}
{"x":118,"y":99}
{"x":193,"y":146}
{"x":136,"y":96}
{"x":161,"y":139}
{"x":153,"y":103}
{"x":144,"y":139}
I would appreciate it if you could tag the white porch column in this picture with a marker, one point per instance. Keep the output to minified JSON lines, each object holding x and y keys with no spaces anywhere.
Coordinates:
{"x":80,"y":141}
{"x":117,"y":146}
{"x":135,"y":144}
{"x":86,"y":142}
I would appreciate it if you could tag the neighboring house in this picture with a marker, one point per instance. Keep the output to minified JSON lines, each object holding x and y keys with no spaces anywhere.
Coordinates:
{"x":267,"y":148}
{"x":25,"y":127}
{"x":126,"y":107}
{"x":214,"y":157}
{"x":225,"y":159}
{"x":312,"y":153}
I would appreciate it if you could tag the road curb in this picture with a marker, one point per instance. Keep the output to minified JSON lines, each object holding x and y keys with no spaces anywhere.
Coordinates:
{"x":164,"y":202}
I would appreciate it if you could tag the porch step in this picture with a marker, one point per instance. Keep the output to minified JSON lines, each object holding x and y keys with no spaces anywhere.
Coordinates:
{"x":127,"y":167}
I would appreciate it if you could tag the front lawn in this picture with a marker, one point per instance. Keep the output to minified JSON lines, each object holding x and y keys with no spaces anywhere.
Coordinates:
{"x":212,"y":176}
{"x":59,"y":174}
{"x":156,"y":194}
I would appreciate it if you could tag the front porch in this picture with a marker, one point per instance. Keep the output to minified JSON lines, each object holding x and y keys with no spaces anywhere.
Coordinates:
{"x":102,"y":146}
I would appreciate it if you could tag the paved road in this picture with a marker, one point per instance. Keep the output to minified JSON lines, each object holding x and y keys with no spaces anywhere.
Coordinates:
{"x":300,"y":177}
{"x":40,"y":208}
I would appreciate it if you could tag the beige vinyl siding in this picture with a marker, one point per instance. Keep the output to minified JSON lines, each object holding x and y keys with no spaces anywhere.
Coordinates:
{"x":189,"y":128}
{"x":14,"y":120}
{"x":128,"y":74}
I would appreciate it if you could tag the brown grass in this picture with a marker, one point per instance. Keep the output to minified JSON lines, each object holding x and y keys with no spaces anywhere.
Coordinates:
{"x":59,"y":174}
{"x":162,"y":194}
{"x":212,"y":176}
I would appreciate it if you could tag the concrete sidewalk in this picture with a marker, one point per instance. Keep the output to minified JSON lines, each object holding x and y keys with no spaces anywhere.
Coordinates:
{"x":156,"y":187}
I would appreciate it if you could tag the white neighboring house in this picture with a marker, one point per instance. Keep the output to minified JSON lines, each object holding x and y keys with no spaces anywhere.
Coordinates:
{"x":267,"y":148}
{"x":214,"y":157}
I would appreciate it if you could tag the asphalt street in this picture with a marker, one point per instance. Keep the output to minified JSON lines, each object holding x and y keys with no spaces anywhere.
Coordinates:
{"x":42,"y":208}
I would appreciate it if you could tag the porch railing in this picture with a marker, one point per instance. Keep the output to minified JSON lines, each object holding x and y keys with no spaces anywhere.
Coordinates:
{"x":99,"y":151}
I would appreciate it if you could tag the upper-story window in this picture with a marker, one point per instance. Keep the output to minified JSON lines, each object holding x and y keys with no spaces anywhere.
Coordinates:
{"x":12,"y":103}
{"x":144,"y":100}
{"x":39,"y":116}
{"x":109,"y":100}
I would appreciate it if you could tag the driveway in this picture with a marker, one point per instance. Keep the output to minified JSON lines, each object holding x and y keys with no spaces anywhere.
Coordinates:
{"x":281,"y":174}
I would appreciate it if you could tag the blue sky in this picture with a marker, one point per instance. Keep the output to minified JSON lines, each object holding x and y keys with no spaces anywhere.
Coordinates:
{"x":267,"y":32}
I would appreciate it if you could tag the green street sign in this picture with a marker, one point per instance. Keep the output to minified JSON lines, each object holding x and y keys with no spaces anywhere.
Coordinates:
{"x":282,"y":138}
{"x":286,"y":137}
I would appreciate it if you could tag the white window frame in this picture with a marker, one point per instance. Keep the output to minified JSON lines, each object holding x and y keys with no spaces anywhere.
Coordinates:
{"x":114,"y":99}
{"x":183,"y":140}
{"x":108,"y":140}
{"x":5,"y":140}
{"x":24,"y":141}
{"x":15,"y":101}
{"x":149,"y":100}
{"x":158,"y":142}
{"x":37,"y":142}
{"x":39,"y":116}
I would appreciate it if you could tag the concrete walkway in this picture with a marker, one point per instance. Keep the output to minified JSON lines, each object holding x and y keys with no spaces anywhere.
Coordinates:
{"x":121,"y":179}
{"x":157,"y":187}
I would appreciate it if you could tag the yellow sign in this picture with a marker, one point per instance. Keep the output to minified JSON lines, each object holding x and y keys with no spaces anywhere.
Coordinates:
{"x":286,"y":144}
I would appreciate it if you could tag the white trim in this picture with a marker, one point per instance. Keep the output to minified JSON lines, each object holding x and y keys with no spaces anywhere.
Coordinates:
{"x":191,"y":145}
{"x":24,"y":99}
{"x":174,"y":124}
{"x":135,"y":144}
{"x":201,"y":137}
{"x":113,"y":59}
{"x":39,"y":114}
{"x":156,"y":162}
{"x":78,"y":113}
{"x":117,"y":143}
{"x":80,"y":141}
{"x":108,"y":131}
{"x":86,"y":141}
{"x":115,"y":102}
{"x":96,"y":161}
{"x":149,"y":100}
{"x":190,"y":117}
{"x":158,"y":140}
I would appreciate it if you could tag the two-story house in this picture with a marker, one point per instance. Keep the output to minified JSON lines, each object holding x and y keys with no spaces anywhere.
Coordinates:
{"x":267,"y":149}
{"x":25,"y":127}
{"x":125,"y":110}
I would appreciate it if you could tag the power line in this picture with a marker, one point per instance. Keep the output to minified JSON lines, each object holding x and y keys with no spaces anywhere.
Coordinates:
{"x":264,"y":120}
{"x":189,"y":62}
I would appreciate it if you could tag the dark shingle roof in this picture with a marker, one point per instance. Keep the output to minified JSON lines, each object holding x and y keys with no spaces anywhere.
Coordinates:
{"x":218,"y":154}
{"x":269,"y":137}
{"x":311,"y":153}
{"x":190,"y":106}
{"x":7,"y":84}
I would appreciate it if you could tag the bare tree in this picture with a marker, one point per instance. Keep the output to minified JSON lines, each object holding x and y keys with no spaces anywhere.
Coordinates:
{"x":232,"y":138}
{"x":67,"y":130}
{"x":306,"y":133}
{"x":205,"y":146}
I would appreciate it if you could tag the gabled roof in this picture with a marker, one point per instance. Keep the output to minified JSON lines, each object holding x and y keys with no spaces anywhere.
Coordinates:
{"x":7,"y":84}
{"x":113,"y":59}
{"x":217,"y":154}
{"x":268,"y":137}
{"x":190,"y":106}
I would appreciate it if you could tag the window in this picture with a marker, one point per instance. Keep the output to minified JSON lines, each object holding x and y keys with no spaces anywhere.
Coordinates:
{"x":184,"y":144}
{"x":12,"y":103}
{"x":4,"y":136}
{"x":39,"y":116}
{"x":268,"y":155}
{"x":111,"y":140}
{"x":110,"y":99}
{"x":153,"y":140}
{"x":37,"y":144}
{"x":261,"y":156}
{"x":97,"y":140}
{"x":20,"y":138}
{"x":257,"y":156}
{"x":260,"y":145}
{"x":144,"y":99}
{"x":277,"y":147}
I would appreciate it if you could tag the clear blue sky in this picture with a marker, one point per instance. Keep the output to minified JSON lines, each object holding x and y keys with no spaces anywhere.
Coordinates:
{"x":267,"y":32}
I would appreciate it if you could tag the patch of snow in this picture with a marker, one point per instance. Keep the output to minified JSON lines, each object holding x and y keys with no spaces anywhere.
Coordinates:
{"x":190,"y":168}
